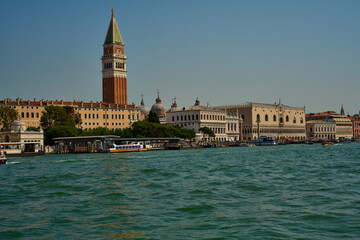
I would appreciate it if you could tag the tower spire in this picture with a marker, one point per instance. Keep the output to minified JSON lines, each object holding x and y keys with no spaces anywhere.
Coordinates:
{"x":113,"y":34}
{"x":342,"y":112}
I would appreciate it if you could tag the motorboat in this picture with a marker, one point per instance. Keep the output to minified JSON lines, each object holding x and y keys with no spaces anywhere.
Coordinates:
{"x":128,"y":147}
{"x":266,"y":141}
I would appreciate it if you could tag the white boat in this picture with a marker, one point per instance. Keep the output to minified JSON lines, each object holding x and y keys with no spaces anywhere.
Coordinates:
{"x":266,"y":141}
{"x":130,"y":147}
{"x":3,"y":158}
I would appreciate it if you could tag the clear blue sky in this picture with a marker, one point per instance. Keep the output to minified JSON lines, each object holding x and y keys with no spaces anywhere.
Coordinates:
{"x":227,"y":52}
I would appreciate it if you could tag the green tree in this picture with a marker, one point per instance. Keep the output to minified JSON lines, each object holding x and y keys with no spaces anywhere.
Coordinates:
{"x":56,"y":116}
{"x":32,"y":129}
{"x":153,"y":117}
{"x":187,"y":133}
{"x":7,"y":116}
{"x":73,"y":115}
{"x":60,"y":131}
{"x":99,"y":131}
{"x":207,"y":131}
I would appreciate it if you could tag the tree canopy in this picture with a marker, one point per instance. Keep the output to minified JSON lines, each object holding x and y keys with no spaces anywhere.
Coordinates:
{"x":153,"y":117}
{"x":207,"y":131}
{"x":7,"y":116}
{"x":58,"y":116}
{"x":60,"y":131}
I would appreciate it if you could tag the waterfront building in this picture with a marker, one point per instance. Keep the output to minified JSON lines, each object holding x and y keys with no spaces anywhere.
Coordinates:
{"x":92,"y":114}
{"x":113,"y":112}
{"x":273,"y":120}
{"x":29,"y":141}
{"x":356,"y":125}
{"x":344,"y":126}
{"x":319,"y":129}
{"x":195,"y":117}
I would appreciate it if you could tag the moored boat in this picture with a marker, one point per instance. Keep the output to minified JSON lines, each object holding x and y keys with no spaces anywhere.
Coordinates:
{"x":266,"y":141}
{"x":327,"y":143}
{"x":130,"y":147}
{"x":3,"y":158}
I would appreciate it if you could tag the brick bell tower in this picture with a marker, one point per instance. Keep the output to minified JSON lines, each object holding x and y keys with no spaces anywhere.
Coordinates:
{"x":114,"y":66}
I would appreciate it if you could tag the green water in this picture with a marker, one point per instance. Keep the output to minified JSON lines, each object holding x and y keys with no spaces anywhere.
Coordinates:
{"x":281,"y":192}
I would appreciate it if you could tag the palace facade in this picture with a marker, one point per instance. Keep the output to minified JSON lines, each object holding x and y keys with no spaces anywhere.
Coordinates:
{"x":273,"y":120}
{"x":224,"y":126}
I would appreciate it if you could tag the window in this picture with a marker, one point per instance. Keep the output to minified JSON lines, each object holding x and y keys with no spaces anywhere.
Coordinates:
{"x":258,"y":117}
{"x":301,"y":120}
{"x":32,"y":115}
{"x":266,"y":118}
{"x":89,"y":115}
{"x":27,"y":115}
{"x":197,"y":117}
{"x":37,"y":115}
{"x":22,"y":115}
{"x":294,"y":121}
{"x":172,"y":118}
{"x":274,"y":118}
{"x":287,"y":118}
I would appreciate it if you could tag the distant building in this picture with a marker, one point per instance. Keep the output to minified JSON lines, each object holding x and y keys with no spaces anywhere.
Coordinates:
{"x":93,"y":115}
{"x":344,"y":128}
{"x":225,"y":127}
{"x":356,"y":125}
{"x":30,"y":141}
{"x":113,"y":113}
{"x":319,"y":129}
{"x":275,"y":120}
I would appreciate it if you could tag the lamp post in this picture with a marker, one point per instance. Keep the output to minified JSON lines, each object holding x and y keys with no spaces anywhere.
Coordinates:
{"x":258,"y":127}
{"x":240,"y":129}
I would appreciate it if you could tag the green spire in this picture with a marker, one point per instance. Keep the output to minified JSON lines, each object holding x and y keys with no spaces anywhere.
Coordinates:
{"x":113,"y":33}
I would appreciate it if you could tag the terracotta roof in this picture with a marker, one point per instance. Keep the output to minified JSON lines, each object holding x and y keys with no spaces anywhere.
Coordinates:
{"x":45,"y":103}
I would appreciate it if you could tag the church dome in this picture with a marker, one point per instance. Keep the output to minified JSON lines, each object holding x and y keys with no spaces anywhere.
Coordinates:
{"x":174,"y":106}
{"x":17,"y":126}
{"x":159,"y":108}
{"x":143,"y":108}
